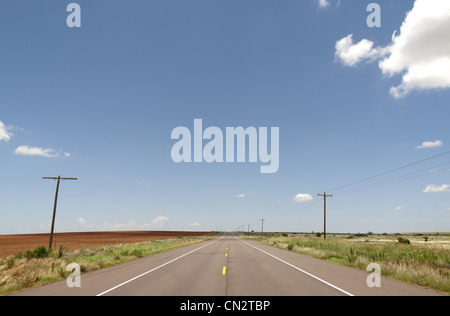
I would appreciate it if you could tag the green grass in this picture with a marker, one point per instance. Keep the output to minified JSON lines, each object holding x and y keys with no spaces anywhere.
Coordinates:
{"x":420,"y":262}
{"x":20,"y":271}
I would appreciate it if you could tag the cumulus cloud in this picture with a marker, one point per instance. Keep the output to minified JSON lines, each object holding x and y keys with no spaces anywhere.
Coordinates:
{"x":430,"y":144}
{"x":420,"y":53}
{"x":351,"y":54}
{"x":5,"y":135}
{"x":37,"y":151}
{"x":132,"y":224}
{"x":194,"y":224}
{"x":323,"y":3}
{"x":240,"y":196}
{"x":81,"y":221}
{"x":160,"y":220}
{"x":436,"y":189}
{"x":122,"y":226}
{"x":83,"y":224}
{"x":399,"y":208}
{"x":302,"y":198}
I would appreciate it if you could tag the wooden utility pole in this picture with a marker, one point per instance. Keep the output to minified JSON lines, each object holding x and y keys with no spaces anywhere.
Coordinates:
{"x":325,"y":213}
{"x":56,"y":203}
{"x":262,"y":226}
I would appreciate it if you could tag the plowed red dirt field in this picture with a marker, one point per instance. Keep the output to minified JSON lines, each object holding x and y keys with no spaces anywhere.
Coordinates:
{"x":12,"y":244}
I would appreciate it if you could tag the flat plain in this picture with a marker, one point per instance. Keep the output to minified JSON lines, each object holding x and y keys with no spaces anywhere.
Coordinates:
{"x":12,"y":244}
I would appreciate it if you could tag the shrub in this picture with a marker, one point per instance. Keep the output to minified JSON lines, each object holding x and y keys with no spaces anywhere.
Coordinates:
{"x":19,"y":255}
{"x":137,"y":253}
{"x":319,"y":235}
{"x":404,"y":241}
{"x":40,"y":252}
{"x":61,"y":251}
{"x":29,"y":255}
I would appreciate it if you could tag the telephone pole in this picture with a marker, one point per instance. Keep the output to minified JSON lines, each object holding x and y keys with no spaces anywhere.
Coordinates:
{"x":56,"y":203}
{"x":262,"y":226}
{"x":325,"y":213}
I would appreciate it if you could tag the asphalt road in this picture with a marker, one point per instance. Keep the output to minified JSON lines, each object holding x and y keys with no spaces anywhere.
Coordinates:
{"x":228,"y":266}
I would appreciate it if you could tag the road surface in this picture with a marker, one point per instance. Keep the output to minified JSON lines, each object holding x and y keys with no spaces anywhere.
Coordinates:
{"x":228,"y":266}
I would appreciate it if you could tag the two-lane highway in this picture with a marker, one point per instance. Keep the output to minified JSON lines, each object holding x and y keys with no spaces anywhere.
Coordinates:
{"x":228,"y":266}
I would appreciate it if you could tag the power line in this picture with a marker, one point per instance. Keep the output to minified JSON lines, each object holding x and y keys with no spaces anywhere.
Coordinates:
{"x":390,"y":171}
{"x":368,"y":186}
{"x":394,"y":180}
{"x":297,"y":209}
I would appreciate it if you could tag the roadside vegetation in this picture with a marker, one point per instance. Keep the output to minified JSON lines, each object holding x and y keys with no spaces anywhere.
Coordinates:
{"x":421,"y":259}
{"x":40,"y":266}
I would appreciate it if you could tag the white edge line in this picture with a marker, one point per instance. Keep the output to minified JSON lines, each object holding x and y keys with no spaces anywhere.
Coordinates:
{"x":291,"y":265}
{"x":160,"y":266}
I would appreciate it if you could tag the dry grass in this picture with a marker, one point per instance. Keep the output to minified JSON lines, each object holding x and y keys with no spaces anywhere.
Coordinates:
{"x":423,"y":263}
{"x":21,"y":271}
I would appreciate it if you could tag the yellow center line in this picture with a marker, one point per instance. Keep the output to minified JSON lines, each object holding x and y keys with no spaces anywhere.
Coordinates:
{"x":224,"y":271}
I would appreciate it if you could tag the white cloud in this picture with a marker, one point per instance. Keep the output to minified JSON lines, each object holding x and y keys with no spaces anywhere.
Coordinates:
{"x":124,"y":226}
{"x":37,"y":151}
{"x":420,"y":53}
{"x":430,"y":144}
{"x":160,"y":220}
{"x":240,"y":196}
{"x":399,"y":208}
{"x":435,"y":189}
{"x":351,"y":54}
{"x":194,"y":224}
{"x":323,"y":3}
{"x":43,"y":227}
{"x":5,"y":135}
{"x":120,"y":226}
{"x":302,"y":198}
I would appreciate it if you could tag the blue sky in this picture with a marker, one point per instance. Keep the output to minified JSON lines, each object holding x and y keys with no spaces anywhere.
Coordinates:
{"x":100,"y":102}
